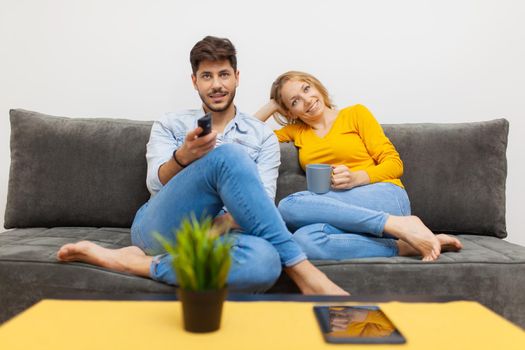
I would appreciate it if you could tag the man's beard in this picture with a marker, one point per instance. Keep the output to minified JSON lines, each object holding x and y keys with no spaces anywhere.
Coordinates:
{"x":213,"y":109}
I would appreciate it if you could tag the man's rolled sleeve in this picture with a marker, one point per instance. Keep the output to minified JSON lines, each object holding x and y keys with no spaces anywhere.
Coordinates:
{"x":160,"y":148}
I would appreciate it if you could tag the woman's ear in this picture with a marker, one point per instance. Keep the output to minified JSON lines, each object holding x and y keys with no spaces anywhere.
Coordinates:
{"x":292,"y":119}
{"x":285,"y":113}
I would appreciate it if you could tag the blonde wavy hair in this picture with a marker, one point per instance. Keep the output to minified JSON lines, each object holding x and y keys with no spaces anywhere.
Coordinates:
{"x":275,"y":94}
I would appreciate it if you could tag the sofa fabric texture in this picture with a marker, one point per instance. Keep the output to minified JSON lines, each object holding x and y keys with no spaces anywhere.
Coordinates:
{"x":76,"y":179}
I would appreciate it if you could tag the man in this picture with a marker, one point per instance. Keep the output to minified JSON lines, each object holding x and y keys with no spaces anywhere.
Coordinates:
{"x":229,"y":173}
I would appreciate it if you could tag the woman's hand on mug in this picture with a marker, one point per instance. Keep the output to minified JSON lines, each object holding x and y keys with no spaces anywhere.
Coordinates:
{"x":344,"y":179}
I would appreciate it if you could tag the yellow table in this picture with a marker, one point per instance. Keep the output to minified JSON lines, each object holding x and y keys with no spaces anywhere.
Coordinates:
{"x":57,"y":324}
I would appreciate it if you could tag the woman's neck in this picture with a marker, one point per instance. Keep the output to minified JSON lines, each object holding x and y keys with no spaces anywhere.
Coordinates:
{"x":326,"y":121}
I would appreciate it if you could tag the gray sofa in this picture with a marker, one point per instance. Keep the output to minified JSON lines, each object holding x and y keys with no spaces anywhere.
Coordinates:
{"x":73,"y":179}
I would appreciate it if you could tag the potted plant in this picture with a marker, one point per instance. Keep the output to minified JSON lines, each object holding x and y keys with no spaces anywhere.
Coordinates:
{"x":201,"y":260}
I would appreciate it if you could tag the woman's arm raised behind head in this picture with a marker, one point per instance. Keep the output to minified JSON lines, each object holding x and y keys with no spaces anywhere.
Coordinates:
{"x":266,"y":111}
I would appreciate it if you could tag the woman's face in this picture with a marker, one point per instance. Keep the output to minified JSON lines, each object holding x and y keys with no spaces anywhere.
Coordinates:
{"x":303,"y":101}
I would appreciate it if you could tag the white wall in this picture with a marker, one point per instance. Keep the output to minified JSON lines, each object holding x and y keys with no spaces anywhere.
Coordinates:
{"x":408,"y":61}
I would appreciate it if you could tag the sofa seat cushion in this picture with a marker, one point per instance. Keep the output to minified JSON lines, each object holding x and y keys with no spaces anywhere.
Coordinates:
{"x":488,"y":270}
{"x":39,"y":245}
{"x":30,"y":272}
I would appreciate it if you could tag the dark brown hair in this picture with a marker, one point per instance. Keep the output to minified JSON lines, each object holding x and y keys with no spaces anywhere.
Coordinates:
{"x":212,"y":48}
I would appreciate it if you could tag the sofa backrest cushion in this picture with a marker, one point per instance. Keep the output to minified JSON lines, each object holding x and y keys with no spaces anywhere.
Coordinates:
{"x":92,"y":172}
{"x":75,"y":172}
{"x":454,"y":174}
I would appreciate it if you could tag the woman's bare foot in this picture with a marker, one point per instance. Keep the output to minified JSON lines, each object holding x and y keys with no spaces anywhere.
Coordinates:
{"x":129,"y":259}
{"x":311,"y":280}
{"x":413,"y":231}
{"x":448,"y":244}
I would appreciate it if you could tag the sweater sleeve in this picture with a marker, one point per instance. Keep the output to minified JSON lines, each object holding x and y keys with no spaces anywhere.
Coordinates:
{"x":286,"y":134}
{"x":388,"y":163}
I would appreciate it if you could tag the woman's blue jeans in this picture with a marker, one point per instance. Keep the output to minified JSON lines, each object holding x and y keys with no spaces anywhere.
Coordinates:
{"x":226,"y":176}
{"x":345,"y":224}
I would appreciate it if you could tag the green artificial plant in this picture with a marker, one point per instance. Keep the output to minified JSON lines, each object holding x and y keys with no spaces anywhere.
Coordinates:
{"x":201,"y":256}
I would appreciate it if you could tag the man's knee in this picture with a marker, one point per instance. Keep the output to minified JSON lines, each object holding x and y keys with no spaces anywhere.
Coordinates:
{"x":232,"y":158}
{"x":257,"y":264}
{"x":229,"y":152}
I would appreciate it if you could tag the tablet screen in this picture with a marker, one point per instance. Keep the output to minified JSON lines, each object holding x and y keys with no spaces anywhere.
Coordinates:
{"x":356,"y":324}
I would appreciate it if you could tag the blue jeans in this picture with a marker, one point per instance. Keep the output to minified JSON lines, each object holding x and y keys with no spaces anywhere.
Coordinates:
{"x":345,"y":224}
{"x":226,"y":176}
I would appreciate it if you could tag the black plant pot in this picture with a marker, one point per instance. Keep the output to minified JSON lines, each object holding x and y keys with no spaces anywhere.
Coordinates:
{"x":202,"y":310}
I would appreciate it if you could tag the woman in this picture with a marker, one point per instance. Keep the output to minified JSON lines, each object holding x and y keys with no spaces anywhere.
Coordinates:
{"x":368,"y":205}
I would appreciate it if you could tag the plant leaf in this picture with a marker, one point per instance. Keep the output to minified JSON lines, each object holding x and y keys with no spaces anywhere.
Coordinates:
{"x":201,"y":257}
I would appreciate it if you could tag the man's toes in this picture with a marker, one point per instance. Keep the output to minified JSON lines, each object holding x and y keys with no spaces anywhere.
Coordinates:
{"x":63,"y":252}
{"x":66,"y":252}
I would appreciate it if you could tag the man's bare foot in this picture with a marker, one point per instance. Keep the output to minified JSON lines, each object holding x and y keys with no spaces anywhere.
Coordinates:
{"x":129,"y":259}
{"x":413,"y":231}
{"x":448,"y":244}
{"x":312,"y":281}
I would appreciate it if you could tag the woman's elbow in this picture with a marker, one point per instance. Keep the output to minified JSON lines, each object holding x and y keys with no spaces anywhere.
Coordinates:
{"x":400,"y":167}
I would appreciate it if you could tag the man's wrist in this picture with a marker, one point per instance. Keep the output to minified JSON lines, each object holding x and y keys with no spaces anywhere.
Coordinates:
{"x":177,"y":160}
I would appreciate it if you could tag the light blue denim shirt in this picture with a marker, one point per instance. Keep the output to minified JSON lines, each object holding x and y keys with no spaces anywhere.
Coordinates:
{"x":259,"y":141}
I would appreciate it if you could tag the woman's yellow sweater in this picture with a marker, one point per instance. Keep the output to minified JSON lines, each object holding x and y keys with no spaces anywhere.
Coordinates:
{"x":356,"y":140}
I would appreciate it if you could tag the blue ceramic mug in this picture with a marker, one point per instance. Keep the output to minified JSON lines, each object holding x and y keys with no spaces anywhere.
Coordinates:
{"x":318,"y":177}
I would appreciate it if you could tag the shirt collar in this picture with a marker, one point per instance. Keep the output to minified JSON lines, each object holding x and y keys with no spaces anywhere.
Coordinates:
{"x":237,"y":122}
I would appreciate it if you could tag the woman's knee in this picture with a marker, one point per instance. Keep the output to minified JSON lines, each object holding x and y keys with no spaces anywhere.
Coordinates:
{"x":311,"y":239}
{"x":290,"y":208}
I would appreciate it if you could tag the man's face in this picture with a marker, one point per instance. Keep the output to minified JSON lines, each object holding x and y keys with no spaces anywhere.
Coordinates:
{"x":216,"y":81}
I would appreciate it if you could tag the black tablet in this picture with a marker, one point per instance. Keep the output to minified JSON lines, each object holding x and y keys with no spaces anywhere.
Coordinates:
{"x":357,"y":324}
